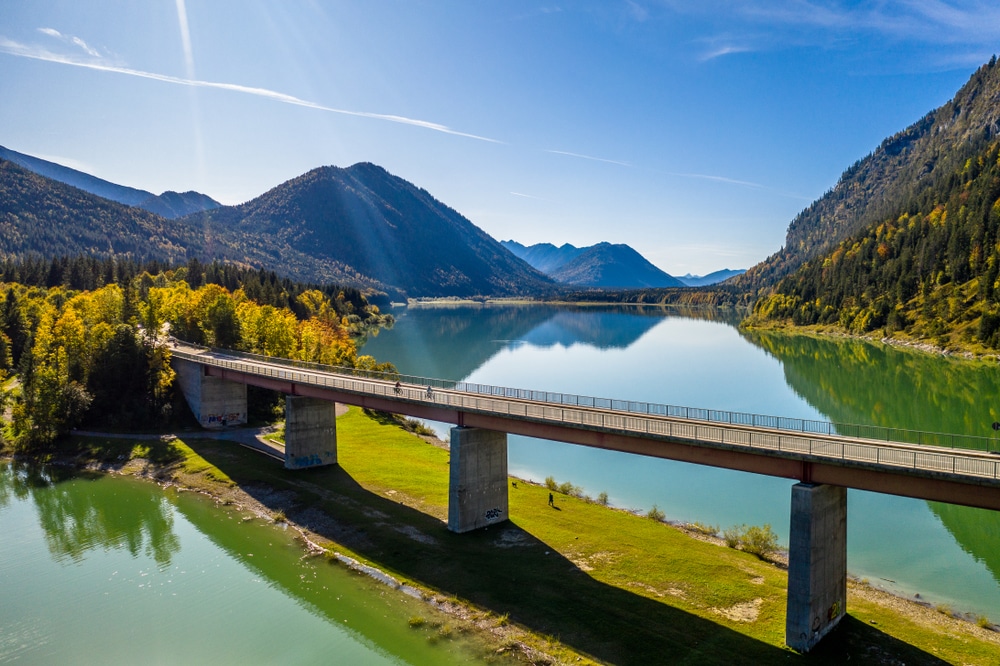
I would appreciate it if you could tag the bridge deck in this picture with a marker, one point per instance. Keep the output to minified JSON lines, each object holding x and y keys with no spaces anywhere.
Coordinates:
{"x":952,"y":475}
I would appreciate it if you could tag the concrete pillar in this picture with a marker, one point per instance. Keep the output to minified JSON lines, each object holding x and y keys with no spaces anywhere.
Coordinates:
{"x":310,"y":432}
{"x":214,"y":402}
{"x":477,"y":490}
{"x":817,"y":563}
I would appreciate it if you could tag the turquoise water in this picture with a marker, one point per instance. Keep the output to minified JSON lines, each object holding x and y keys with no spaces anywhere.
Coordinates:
{"x":946,"y":554}
{"x":106,"y":570}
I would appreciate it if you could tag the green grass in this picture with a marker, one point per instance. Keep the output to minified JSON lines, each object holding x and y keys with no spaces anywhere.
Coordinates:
{"x":581,"y":579}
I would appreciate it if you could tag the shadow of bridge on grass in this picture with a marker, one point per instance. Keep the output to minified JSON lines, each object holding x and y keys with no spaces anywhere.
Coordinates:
{"x":530,"y":583}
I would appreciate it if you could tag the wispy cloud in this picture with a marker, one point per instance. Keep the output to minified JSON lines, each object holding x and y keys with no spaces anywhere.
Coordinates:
{"x":588,"y":157}
{"x":965,"y":31}
{"x":741,"y":183}
{"x":69,"y":39}
{"x":527,"y":196}
{"x":724,"y":51}
{"x":99,"y":64}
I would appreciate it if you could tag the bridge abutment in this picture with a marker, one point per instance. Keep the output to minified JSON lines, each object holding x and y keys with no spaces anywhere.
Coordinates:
{"x":310,"y":432}
{"x":817,"y":563}
{"x":477,"y":489}
{"x":214,"y":402}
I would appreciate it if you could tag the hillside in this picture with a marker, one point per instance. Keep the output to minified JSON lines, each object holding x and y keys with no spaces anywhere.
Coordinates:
{"x":714,"y":277}
{"x":44,"y":217}
{"x":546,"y":257}
{"x":169,"y":204}
{"x":359,"y":226}
{"x":365,"y":226}
{"x":923,"y":157}
{"x":616,"y":266}
{"x":925,"y":263}
{"x":601,"y":265}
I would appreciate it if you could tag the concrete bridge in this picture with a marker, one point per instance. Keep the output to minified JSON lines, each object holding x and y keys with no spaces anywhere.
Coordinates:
{"x":825,"y":463}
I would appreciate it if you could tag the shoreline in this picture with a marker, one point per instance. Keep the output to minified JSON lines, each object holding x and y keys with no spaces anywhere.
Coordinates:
{"x":521,"y":642}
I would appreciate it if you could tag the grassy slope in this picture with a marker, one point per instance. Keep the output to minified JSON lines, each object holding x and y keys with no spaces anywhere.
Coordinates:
{"x":581,"y":579}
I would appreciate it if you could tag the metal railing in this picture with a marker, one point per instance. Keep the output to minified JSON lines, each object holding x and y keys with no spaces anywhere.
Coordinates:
{"x":783,"y":423}
{"x":605,"y":414}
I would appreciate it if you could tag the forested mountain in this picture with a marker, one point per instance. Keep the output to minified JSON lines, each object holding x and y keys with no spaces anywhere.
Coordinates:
{"x":42,"y":216}
{"x":364,"y":225}
{"x":168,"y":204}
{"x":922,"y":158}
{"x":359,"y":226}
{"x":601,"y":265}
{"x":546,"y":257}
{"x":607,"y":265}
{"x":914,"y":249}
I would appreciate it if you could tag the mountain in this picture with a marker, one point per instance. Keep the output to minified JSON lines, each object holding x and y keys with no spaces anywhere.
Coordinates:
{"x":908,"y":240}
{"x":601,"y":265}
{"x":169,"y":204}
{"x":889,"y":181}
{"x":712,"y":278}
{"x":362,"y":225}
{"x":359,"y":226}
{"x":607,"y":265}
{"x":41,"y":216}
{"x":546,"y":257}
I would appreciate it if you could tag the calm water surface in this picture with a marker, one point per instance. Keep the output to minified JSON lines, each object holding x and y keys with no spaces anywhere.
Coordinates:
{"x":107,"y":570}
{"x":947,"y":554}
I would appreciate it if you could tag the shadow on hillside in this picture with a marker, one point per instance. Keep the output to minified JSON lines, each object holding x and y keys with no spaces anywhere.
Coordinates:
{"x":510,"y":572}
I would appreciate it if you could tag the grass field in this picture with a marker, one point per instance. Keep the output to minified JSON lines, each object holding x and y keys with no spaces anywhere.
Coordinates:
{"x":579,"y":581}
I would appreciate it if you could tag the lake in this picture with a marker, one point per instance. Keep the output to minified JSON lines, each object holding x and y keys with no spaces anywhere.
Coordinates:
{"x":699,"y":358}
{"x":100,"y":569}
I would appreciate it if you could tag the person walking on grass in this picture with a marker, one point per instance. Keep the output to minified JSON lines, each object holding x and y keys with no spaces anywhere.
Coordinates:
{"x":551,"y":500}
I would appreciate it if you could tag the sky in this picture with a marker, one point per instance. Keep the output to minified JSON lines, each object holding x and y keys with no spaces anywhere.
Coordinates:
{"x":692,"y":130}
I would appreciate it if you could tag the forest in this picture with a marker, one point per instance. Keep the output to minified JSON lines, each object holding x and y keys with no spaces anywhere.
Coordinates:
{"x":929,"y":271}
{"x":85,"y":341}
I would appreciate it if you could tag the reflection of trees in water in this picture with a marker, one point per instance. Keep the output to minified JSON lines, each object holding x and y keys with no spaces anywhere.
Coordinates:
{"x":853,"y":381}
{"x":453,"y":342}
{"x":81,"y":515}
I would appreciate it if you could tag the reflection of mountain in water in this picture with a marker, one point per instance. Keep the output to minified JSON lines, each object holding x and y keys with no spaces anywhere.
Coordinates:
{"x":601,"y":328}
{"x":453,"y":342}
{"x":852,"y":381}
{"x":78,"y":516}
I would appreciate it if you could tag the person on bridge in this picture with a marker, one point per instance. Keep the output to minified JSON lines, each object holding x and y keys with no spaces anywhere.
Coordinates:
{"x":429,"y":392}
{"x":399,"y":388}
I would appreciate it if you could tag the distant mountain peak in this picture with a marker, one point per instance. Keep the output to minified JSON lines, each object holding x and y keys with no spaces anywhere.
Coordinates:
{"x":601,"y":265}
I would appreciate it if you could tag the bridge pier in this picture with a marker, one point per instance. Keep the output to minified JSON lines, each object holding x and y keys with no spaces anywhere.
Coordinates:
{"x":817,"y":563}
{"x":214,"y":402}
{"x":310,"y":432}
{"x":477,"y":487}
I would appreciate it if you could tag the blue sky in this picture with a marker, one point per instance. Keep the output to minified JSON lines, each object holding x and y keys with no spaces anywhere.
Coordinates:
{"x":692,"y":130}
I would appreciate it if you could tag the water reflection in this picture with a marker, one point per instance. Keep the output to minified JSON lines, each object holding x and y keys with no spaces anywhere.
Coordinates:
{"x":474,"y":334}
{"x":854,"y":381}
{"x":76,"y":521}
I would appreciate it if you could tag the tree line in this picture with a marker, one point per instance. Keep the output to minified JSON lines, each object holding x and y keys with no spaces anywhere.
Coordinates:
{"x":930,"y":271}
{"x":84,"y":342}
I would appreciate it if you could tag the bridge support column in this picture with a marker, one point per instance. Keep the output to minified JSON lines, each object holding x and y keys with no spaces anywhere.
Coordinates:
{"x":817,"y":564}
{"x":477,"y":490}
{"x":310,"y":432}
{"x":214,"y":402}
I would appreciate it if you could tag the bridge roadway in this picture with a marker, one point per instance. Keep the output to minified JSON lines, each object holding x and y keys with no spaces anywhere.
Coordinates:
{"x":952,"y":475}
{"x":214,"y":383}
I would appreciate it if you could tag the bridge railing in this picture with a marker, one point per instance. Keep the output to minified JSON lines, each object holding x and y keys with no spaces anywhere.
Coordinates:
{"x":789,"y":424}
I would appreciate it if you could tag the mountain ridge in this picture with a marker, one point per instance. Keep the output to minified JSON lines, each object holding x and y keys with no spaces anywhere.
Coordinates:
{"x":169,"y":204}
{"x":596,"y":266}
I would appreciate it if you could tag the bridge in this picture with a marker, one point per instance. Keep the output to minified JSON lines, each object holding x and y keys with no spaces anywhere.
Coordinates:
{"x":820,"y":456}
